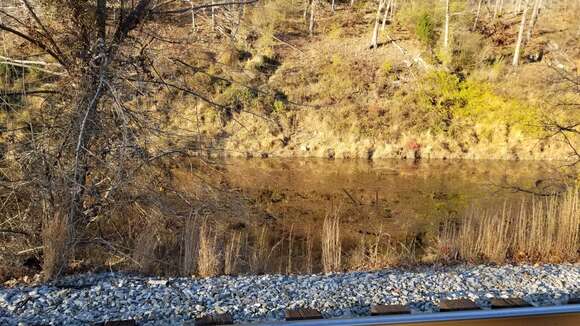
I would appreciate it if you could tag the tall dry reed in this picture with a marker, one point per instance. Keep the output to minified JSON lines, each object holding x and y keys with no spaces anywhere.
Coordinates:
{"x":331,"y":244}
{"x":309,"y":248}
{"x":56,"y":249}
{"x":260,"y":252}
{"x":538,"y":230}
{"x":232,"y":254}
{"x":208,"y":260}
{"x":189,"y":247}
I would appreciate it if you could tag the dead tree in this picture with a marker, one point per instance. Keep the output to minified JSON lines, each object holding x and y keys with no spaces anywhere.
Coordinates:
{"x":313,"y":4}
{"x":375,"y":35}
{"x":533,"y":19}
{"x":386,"y":14}
{"x":446,"y":31}
{"x":517,"y":50}
{"x":478,"y":11}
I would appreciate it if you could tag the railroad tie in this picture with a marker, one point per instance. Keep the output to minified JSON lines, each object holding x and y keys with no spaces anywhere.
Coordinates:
{"x":457,"y":305}
{"x":213,"y":320}
{"x":302,"y":314}
{"x":499,"y":303}
{"x":127,"y":322}
{"x":391,"y":309}
{"x":574,"y":300}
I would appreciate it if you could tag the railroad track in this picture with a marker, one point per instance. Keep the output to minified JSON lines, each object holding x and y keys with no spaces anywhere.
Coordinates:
{"x":566,"y":315}
{"x":461,"y":312}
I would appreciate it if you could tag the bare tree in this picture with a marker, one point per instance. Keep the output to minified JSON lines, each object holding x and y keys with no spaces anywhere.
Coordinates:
{"x":386,"y":14}
{"x":313,"y":4}
{"x":89,"y":142}
{"x":375,"y":35}
{"x":516,"y":58}
{"x":533,"y":19}
{"x":477,"y":14}
{"x":446,"y":31}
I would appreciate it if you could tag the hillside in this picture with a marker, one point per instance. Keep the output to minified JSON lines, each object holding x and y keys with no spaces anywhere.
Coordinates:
{"x":329,"y":95}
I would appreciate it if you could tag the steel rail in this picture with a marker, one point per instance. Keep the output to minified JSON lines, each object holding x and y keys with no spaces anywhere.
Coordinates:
{"x":439,"y":317}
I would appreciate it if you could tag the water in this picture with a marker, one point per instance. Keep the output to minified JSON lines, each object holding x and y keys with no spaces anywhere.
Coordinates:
{"x":387,"y":191}
{"x":394,"y":199}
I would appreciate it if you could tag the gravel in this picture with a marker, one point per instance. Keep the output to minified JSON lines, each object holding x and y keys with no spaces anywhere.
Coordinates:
{"x":88,"y":298}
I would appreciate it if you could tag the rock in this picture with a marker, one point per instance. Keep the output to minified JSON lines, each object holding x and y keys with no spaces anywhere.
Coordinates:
{"x":96,"y":297}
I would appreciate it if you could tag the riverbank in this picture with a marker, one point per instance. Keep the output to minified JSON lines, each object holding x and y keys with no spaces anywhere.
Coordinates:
{"x":82,"y":299}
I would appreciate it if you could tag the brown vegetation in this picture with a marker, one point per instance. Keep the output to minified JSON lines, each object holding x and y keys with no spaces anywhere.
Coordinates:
{"x":543,"y":230}
{"x":331,"y":244}
{"x":100,"y":99}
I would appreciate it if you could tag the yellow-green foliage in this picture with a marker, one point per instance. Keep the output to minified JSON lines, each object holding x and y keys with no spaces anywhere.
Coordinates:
{"x":386,"y":67}
{"x":279,"y":107}
{"x":483,"y":106}
{"x":449,"y":102}
{"x":419,"y":16}
{"x":425,"y":30}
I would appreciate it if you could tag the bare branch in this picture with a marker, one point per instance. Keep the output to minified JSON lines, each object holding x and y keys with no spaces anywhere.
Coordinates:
{"x":35,"y":42}
{"x":46,"y":34}
{"x":206,"y":6}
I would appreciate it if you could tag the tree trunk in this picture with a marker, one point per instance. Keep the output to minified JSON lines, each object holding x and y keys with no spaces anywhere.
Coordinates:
{"x":213,"y":15}
{"x":534,"y":19}
{"x":477,"y":14}
{"x":446,"y":32}
{"x":192,"y":16}
{"x":333,"y":6}
{"x":516,"y":59}
{"x":375,"y":37}
{"x":495,"y":9}
{"x":385,"y":15}
{"x":518,"y":7}
{"x":312,"y":9}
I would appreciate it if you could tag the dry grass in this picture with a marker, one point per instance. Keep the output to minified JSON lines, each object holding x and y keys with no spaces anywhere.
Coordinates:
{"x":381,"y":251}
{"x":260,"y":252}
{"x":144,"y":252}
{"x":57,"y":247}
{"x":331,"y":244}
{"x":232,"y":254}
{"x":542,"y":230}
{"x":308,"y":252}
{"x":208,"y":260}
{"x":290,"y":250}
{"x":189,"y":246}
